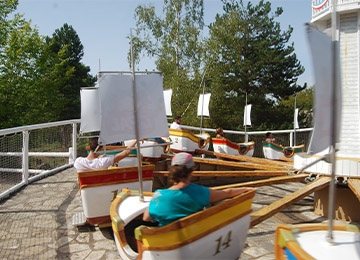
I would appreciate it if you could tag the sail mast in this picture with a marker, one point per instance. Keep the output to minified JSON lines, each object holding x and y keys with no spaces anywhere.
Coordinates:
{"x":295,"y":121}
{"x":203,"y":96}
{"x":245,"y":119}
{"x":202,"y":108}
{"x":330,"y":237}
{"x":136,"y":119}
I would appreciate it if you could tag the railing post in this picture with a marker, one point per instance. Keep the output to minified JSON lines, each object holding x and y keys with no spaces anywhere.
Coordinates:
{"x":291,"y":138}
{"x":74,"y":145}
{"x":25,"y":158}
{"x":246,"y":137}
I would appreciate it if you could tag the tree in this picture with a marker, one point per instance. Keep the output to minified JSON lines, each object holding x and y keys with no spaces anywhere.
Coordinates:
{"x":304,"y":102}
{"x":175,"y":42}
{"x":248,"y":53}
{"x":20,"y":48}
{"x":39,"y":80}
{"x":66,"y":73}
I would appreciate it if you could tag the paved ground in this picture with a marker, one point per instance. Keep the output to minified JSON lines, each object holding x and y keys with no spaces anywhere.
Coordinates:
{"x":36,"y":222}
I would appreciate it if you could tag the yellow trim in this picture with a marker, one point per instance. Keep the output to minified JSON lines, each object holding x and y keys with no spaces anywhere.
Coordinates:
{"x":184,"y":133}
{"x":352,"y":228}
{"x":285,"y":236}
{"x":195,"y":229}
{"x":117,"y":223}
{"x":105,"y":225}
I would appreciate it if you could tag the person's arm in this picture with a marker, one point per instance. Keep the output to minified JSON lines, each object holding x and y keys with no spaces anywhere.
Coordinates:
{"x":218,"y":195}
{"x":125,"y":153}
{"x":146,"y":216}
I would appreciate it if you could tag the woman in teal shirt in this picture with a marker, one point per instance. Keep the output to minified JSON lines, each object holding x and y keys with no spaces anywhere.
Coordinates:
{"x":183,"y":198}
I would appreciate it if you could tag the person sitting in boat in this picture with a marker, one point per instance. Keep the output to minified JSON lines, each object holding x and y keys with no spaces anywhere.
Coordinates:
{"x":220,"y":133}
{"x":176,"y":123}
{"x":183,"y":198}
{"x":269,"y":137}
{"x":95,"y":161}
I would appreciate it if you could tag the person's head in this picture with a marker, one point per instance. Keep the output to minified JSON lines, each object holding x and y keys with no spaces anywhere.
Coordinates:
{"x":93,"y":142}
{"x":268,"y":135}
{"x":219,"y":131}
{"x":178,"y":119}
{"x":182,"y":165}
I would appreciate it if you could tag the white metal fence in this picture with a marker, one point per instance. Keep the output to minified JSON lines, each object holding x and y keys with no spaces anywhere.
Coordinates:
{"x":32,"y":152}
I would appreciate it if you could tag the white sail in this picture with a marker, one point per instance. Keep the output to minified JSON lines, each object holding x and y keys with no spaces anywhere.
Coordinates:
{"x":167,"y":99}
{"x":247,"y":115}
{"x":117,"y":107}
{"x":203,"y":105}
{"x":321,"y":48}
{"x":296,"y":123}
{"x":90,"y":110}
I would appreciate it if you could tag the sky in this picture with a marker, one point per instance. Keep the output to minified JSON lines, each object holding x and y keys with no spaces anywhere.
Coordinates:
{"x":104,"y":25}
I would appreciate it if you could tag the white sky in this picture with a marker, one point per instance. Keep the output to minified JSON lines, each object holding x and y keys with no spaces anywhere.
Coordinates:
{"x":103,"y":26}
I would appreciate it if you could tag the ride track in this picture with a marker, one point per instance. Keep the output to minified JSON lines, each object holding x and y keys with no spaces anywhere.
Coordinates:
{"x":271,"y":171}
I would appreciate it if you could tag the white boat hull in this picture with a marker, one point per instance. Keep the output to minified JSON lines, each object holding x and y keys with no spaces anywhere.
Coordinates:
{"x":152,"y":154}
{"x":185,"y":141}
{"x":212,"y":244}
{"x":309,"y":241}
{"x":227,"y":147}
{"x":275,"y":152}
{"x":99,"y":188}
{"x":345,"y":166}
{"x":215,"y":233}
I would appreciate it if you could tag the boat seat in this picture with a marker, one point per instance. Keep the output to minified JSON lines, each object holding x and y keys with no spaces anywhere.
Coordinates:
{"x":243,"y":148}
{"x":242,"y":203}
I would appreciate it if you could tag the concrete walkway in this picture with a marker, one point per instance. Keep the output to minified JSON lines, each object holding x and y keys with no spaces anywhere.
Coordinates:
{"x":36,"y":222}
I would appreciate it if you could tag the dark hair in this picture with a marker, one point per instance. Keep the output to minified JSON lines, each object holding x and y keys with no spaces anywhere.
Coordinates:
{"x":178,"y":117}
{"x":93,"y":142}
{"x":178,"y":172}
{"x":268,"y":134}
{"x":219,"y":130}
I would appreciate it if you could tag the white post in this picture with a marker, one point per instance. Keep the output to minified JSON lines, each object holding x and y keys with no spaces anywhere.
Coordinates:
{"x":331,"y":205}
{"x":25,"y":157}
{"x":291,"y":139}
{"x":245,"y":119}
{"x":136,"y":122}
{"x":295,"y":118}
{"x":74,"y":144}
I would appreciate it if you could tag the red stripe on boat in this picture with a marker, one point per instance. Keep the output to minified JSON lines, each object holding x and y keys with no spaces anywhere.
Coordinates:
{"x":226,"y":142}
{"x":114,"y":177}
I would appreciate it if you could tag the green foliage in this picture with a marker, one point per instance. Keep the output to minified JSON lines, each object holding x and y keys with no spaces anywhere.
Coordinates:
{"x":40,"y":78}
{"x":174,"y":40}
{"x":21,"y":46}
{"x":248,"y":53}
{"x":67,"y":74}
{"x":304,"y":102}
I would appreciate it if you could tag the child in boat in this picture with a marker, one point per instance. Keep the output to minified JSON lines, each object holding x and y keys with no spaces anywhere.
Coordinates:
{"x":95,"y":161}
{"x":269,"y":137}
{"x":183,"y":198}
{"x":220,"y":133}
{"x":176,"y":123}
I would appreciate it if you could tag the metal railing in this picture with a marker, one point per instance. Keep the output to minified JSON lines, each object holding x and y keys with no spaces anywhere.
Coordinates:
{"x":32,"y":152}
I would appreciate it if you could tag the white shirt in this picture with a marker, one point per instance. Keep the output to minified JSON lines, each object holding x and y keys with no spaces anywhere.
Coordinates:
{"x":270,"y":140}
{"x":175,"y":125}
{"x":83,"y":164}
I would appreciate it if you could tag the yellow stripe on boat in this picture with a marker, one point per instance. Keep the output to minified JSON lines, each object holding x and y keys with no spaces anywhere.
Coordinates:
{"x":184,"y":133}
{"x":284,"y":238}
{"x":194,"y":230}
